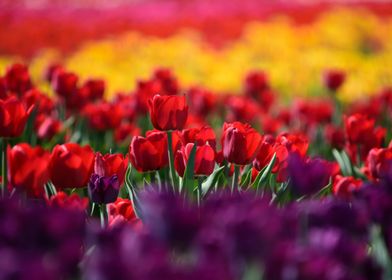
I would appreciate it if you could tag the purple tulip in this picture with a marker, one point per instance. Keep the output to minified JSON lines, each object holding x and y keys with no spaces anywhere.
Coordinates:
{"x":103,"y":189}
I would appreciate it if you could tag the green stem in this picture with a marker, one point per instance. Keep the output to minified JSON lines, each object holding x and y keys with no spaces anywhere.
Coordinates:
{"x":171,"y":161}
{"x":199,"y":190}
{"x":4,"y":167}
{"x":103,"y":215}
{"x":234,"y":183}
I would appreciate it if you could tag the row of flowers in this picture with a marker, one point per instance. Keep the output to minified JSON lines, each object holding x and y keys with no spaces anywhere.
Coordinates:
{"x":186,"y":184}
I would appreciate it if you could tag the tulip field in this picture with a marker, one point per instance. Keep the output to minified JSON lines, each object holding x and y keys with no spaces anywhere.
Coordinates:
{"x":196,"y":140}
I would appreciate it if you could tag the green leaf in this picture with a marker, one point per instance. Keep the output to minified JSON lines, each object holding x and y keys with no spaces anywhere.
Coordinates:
{"x":132,"y":192}
{"x":211,"y":180}
{"x":188,"y":179}
{"x":347,"y":163}
{"x":325,"y":190}
{"x":341,"y":162}
{"x":246,"y":176}
{"x":264,"y":173}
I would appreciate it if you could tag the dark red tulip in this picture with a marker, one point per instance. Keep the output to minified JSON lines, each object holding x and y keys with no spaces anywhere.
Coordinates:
{"x":149,"y":153}
{"x":71,"y":165}
{"x":204,"y":159}
{"x":240,"y":143}
{"x":168,"y":112}
{"x":17,"y":79}
{"x":51,"y":71}
{"x":3,"y":89}
{"x":201,"y":136}
{"x":65,"y":83}
{"x":72,"y":202}
{"x":95,"y":88}
{"x":255,"y":82}
{"x":13,"y":117}
{"x":334,"y":79}
{"x":111,"y":164}
{"x":28,"y":169}
{"x":345,"y":186}
{"x":168,"y":81}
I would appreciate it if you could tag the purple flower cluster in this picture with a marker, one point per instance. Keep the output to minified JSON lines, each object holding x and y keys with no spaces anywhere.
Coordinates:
{"x":230,"y":236}
{"x":37,"y":242}
{"x":234,"y":236}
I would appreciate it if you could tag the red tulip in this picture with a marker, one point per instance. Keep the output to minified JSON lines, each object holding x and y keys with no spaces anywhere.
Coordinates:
{"x":333,"y":79}
{"x":294,"y":142}
{"x":241,"y":109}
{"x":362,"y":136}
{"x":13,"y":117}
{"x":3,"y":89}
{"x":268,"y":147}
{"x":121,"y":211}
{"x":358,"y":128}
{"x":204,"y":159}
{"x":95,"y":88}
{"x":28,"y":169}
{"x":149,"y":153}
{"x":168,"y":112}
{"x":168,"y":81}
{"x":378,"y":161}
{"x":17,"y":79}
{"x":335,"y":136}
{"x":240,"y":143}
{"x":344,"y":186}
{"x":65,"y":83}
{"x":71,"y":165}
{"x":44,"y":104}
{"x":72,"y":202}
{"x":201,"y":136}
{"x":202,"y":102}
{"x":124,"y":132}
{"x":48,"y":128}
{"x":103,"y":116}
{"x":111,"y":164}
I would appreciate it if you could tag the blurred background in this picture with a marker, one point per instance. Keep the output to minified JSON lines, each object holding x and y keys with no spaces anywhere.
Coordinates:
{"x":210,"y":43}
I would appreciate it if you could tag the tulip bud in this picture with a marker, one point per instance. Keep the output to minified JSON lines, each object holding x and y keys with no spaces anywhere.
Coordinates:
{"x":103,"y":189}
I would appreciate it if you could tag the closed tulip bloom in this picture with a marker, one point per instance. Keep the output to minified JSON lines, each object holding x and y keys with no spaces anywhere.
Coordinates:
{"x":28,"y":169}
{"x":65,"y":83}
{"x":240,"y":143}
{"x":149,"y":153}
{"x":17,"y":79}
{"x":333,"y":79}
{"x":168,"y":112}
{"x":13,"y":117}
{"x":111,"y":164}
{"x":103,"y":189}
{"x":379,"y":161}
{"x":71,"y":165}
{"x":204,"y":159}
